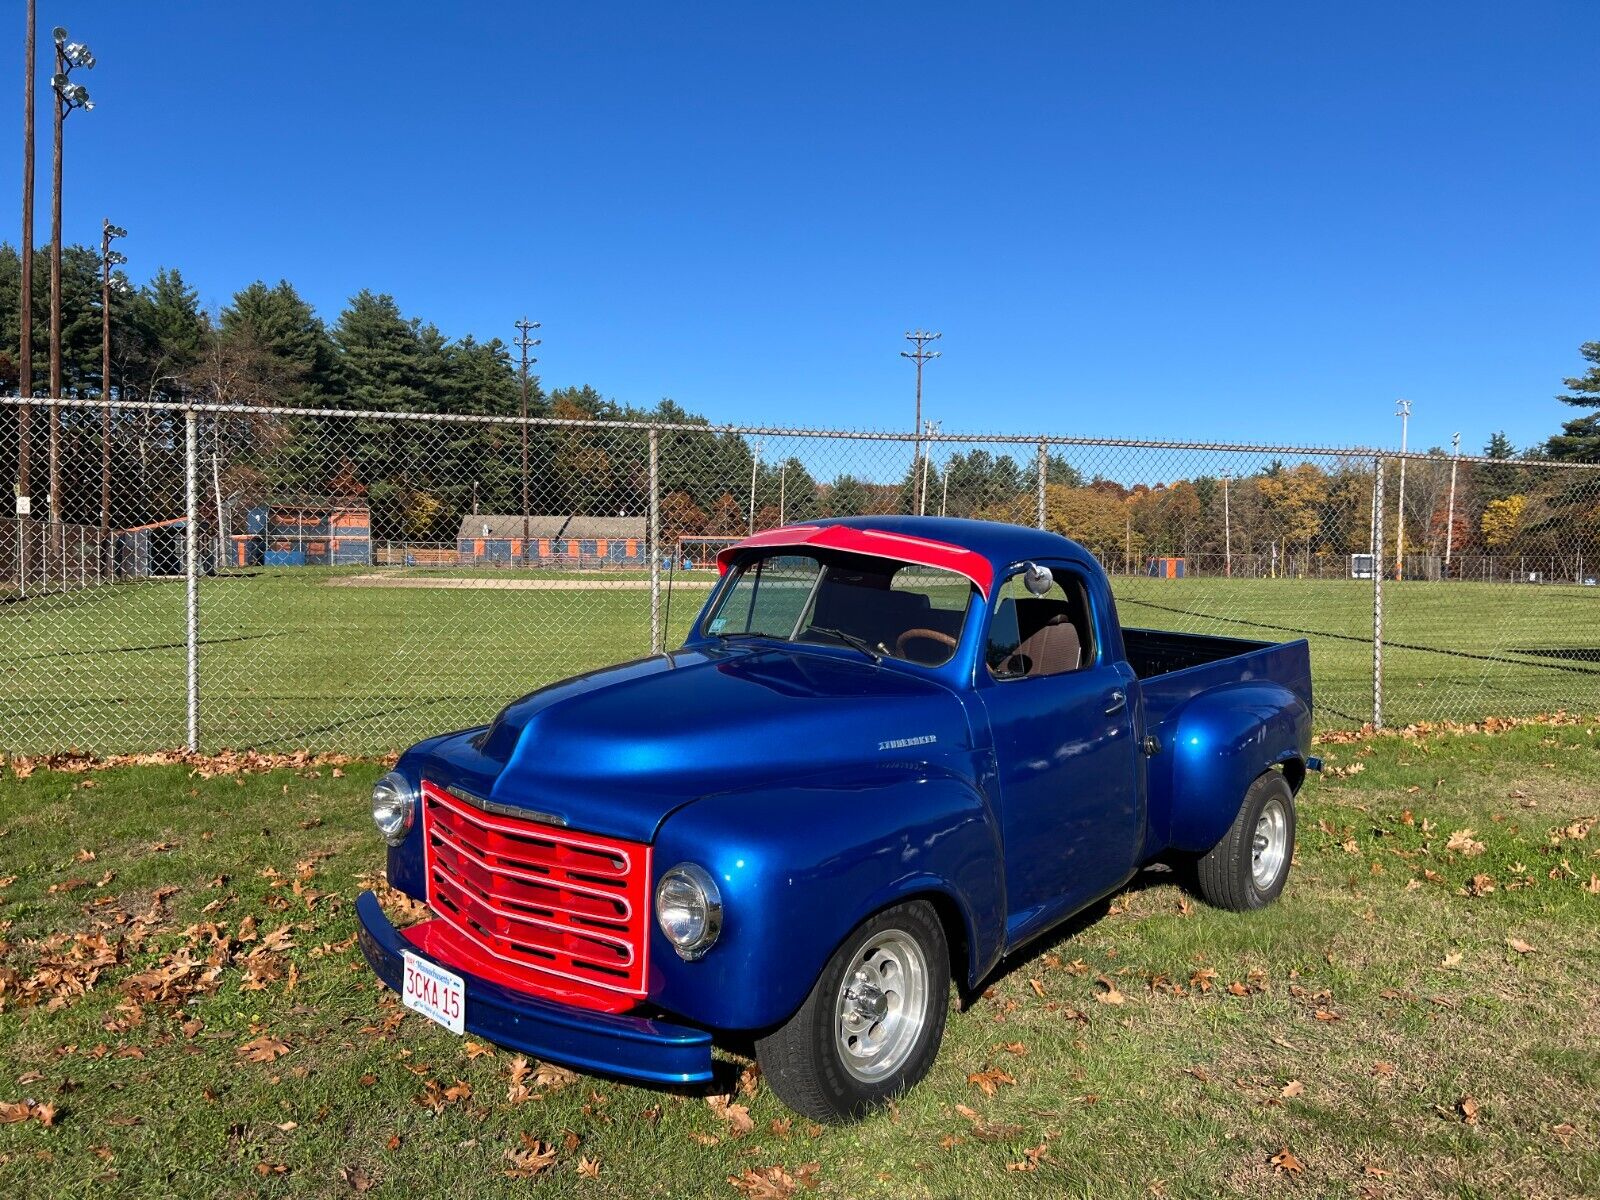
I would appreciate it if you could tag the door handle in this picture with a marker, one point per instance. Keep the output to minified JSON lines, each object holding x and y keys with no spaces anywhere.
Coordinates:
{"x":1116,"y":702}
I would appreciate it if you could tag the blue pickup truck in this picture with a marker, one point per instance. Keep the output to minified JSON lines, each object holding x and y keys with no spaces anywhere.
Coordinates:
{"x":892,"y":751}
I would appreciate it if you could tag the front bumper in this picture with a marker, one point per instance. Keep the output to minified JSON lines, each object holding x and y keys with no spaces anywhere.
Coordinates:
{"x":609,"y":1043}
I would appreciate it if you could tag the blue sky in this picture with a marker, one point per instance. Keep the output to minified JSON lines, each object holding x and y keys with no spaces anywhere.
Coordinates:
{"x":1186,"y":220}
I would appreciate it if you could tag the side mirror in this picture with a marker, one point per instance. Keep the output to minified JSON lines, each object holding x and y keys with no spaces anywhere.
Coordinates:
{"x":1037,"y":580}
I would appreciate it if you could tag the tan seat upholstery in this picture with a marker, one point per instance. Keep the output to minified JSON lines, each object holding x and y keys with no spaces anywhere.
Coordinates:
{"x":1052,"y":649}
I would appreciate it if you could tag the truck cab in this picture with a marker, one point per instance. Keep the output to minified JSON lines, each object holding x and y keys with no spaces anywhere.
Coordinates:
{"x":890,"y":752}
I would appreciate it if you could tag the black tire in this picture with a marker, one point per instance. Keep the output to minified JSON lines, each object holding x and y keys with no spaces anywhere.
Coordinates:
{"x":1227,"y":874}
{"x":803,"y":1059}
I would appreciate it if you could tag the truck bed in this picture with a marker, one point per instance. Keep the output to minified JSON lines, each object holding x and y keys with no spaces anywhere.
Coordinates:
{"x":1175,"y":667}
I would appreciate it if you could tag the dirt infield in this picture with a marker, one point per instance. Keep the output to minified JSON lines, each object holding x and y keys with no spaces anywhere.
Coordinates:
{"x":513,"y":585}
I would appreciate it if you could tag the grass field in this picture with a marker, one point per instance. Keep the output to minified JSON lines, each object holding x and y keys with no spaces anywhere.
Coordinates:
{"x":306,"y":657}
{"x":184,"y":1014}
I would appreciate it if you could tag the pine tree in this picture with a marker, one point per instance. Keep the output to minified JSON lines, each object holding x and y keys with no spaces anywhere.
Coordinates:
{"x":1579,"y":439}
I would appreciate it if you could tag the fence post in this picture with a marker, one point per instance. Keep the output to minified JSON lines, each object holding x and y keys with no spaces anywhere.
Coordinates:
{"x":1044,"y":467}
{"x":1377,"y":594}
{"x":191,"y":576}
{"x":655,"y":542}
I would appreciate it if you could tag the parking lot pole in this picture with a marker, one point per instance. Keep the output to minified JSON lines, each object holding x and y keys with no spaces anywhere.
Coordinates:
{"x":1044,"y":469}
{"x":655,"y":542}
{"x":191,"y":575}
{"x":1377,"y":593}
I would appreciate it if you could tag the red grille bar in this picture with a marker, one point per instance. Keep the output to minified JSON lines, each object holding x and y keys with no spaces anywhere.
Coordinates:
{"x":572,"y":908}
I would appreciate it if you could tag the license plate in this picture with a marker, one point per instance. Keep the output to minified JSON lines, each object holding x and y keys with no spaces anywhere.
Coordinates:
{"x":434,"y":992}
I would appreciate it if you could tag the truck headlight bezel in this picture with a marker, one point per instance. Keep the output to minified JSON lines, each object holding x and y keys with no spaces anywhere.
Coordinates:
{"x":689,"y":909}
{"x":394,"y":807}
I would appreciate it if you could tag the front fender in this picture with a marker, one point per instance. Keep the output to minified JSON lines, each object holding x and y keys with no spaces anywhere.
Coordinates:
{"x":1221,"y":741}
{"x":799,"y":867}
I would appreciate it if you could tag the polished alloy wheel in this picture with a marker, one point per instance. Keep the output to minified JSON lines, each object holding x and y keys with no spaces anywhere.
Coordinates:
{"x":882,"y":1006}
{"x":1270,"y":845}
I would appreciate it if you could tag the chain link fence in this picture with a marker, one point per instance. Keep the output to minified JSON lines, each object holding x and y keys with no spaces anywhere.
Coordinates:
{"x":272,"y":578}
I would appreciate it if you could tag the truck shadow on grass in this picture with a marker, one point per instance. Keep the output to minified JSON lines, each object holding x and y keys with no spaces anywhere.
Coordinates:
{"x":1156,"y":874}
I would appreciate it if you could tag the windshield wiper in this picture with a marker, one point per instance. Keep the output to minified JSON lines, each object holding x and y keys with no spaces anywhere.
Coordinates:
{"x":849,"y":639}
{"x":736,"y":634}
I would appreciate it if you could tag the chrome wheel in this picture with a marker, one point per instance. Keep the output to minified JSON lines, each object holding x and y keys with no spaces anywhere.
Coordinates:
{"x":882,"y":1006}
{"x":1269,"y":847}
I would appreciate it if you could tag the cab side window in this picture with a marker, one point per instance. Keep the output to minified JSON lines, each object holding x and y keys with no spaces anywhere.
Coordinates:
{"x":1045,"y":632}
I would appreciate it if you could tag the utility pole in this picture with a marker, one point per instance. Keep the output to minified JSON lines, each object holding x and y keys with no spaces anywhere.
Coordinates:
{"x":525,"y":342}
{"x":69,"y":96}
{"x":944,"y":492}
{"x":25,"y":361}
{"x":920,"y":355}
{"x":1450,"y":518}
{"x":783,"y":489}
{"x":1227,"y":528}
{"x":108,"y":259}
{"x":1403,"y":411}
{"x":755,"y":462}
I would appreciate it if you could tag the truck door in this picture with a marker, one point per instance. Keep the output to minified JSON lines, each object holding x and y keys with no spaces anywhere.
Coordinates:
{"x":1061,"y":713}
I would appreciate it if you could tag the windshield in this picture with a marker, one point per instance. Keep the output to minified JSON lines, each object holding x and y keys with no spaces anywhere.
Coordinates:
{"x":881,"y":607}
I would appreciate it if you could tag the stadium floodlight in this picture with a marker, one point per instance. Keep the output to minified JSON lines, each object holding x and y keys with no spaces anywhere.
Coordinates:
{"x":70,"y":56}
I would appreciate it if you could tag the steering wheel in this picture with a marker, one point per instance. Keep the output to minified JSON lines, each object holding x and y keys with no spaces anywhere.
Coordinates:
{"x":926,"y":635}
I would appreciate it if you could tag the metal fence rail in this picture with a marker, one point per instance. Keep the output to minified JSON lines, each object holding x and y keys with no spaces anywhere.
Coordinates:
{"x":273,"y":577}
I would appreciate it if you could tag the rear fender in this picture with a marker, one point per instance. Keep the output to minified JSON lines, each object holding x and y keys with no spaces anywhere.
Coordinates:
{"x":1215,"y":747}
{"x":800,"y":867}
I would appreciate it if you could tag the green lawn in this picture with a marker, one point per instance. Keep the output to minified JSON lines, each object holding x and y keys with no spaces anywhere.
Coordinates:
{"x":304,"y":657}
{"x":1411,"y":1019}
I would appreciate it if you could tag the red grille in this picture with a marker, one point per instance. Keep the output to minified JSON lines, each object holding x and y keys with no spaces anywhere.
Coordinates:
{"x":571,"y":907}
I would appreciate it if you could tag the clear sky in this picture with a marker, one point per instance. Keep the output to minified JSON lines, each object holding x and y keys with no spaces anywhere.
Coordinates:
{"x":1191,"y":220}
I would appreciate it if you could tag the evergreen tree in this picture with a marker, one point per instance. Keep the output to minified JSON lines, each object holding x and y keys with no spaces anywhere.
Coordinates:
{"x":1579,"y":439}
{"x":287,"y":328}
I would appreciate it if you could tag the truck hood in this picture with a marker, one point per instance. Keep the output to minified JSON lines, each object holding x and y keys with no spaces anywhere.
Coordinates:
{"x":616,"y":751}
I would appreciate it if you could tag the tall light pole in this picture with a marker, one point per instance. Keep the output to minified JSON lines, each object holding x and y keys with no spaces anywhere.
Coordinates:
{"x":783,"y":489}
{"x":1227,"y":528}
{"x":755,"y":462}
{"x":108,"y":258}
{"x":69,"y":96}
{"x":920,"y":355}
{"x":525,"y":342}
{"x":929,"y":429}
{"x":1450,"y":518}
{"x":944,"y":487}
{"x":1402,"y":410}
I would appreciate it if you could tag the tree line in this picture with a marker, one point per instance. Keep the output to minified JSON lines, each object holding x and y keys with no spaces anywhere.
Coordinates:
{"x":268,"y":347}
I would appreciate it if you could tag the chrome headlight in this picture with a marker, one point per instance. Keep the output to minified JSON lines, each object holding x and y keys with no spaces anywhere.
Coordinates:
{"x":394,"y":807}
{"x":689,"y":909}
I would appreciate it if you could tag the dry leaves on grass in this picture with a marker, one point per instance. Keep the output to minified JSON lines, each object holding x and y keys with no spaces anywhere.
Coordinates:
{"x":528,"y":1080}
{"x":1285,"y":1163}
{"x":204,"y":766}
{"x":1464,"y":1110}
{"x":774,"y":1183}
{"x":1463,"y":843}
{"x":529,"y":1159}
{"x":13,"y":1112}
{"x":986,"y":1130}
{"x":264,"y":1049}
{"x":736,"y":1115}
{"x":1030,"y":1158}
{"x":989,"y":1081}
{"x":1109,"y":994}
